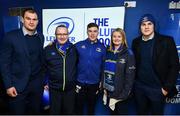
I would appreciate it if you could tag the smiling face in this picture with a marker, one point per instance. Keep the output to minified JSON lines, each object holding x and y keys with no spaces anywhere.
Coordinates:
{"x":30,"y":21}
{"x":147,"y":29}
{"x":117,"y":38}
{"x":92,"y":33}
{"x":61,"y":35}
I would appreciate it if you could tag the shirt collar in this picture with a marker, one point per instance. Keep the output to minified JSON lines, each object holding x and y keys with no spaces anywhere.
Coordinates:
{"x":26,"y":33}
{"x":150,"y":37}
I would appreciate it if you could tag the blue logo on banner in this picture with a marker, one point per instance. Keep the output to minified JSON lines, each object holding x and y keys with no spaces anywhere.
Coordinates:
{"x":68,"y":22}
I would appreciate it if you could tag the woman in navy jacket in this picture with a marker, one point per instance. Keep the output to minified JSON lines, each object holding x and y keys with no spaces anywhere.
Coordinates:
{"x":119,"y":72}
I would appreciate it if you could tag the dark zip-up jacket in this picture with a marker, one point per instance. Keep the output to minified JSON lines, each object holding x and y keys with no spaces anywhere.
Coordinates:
{"x":124,"y":74}
{"x":61,"y":67}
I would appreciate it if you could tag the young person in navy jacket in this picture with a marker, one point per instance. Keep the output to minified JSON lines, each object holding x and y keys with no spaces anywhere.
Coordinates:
{"x":119,"y":73}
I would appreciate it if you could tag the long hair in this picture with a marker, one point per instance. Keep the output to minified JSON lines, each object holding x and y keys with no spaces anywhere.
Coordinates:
{"x":124,"y":41}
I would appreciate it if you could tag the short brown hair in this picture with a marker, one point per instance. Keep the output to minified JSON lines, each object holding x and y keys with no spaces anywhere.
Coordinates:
{"x":31,"y":10}
{"x":92,"y":25}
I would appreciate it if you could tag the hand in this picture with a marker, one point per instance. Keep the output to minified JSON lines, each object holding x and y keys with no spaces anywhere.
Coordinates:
{"x":12,"y":92}
{"x":164,"y":92}
{"x":97,"y":92}
{"x":46,"y":87}
{"x":100,"y":85}
{"x":105,"y":92}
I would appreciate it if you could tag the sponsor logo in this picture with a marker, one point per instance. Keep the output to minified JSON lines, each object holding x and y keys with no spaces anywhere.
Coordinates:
{"x":98,"y":49}
{"x":53,"y":53}
{"x":132,"y":67}
{"x":122,"y":61}
{"x":83,"y":46}
{"x":68,"y":22}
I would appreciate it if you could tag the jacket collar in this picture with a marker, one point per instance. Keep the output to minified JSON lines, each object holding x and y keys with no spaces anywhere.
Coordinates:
{"x":91,"y":42}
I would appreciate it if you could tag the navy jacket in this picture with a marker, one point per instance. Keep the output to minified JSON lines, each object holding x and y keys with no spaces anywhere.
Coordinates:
{"x":124,"y":73}
{"x":14,"y":59}
{"x":90,"y":63}
{"x":61,"y":67}
{"x":165,"y":59}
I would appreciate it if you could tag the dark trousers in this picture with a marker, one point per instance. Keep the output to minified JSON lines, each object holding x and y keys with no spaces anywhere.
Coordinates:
{"x":28,"y":101}
{"x":86,"y":95}
{"x":62,"y":102}
{"x":149,"y":101}
{"x":3,"y":101}
{"x":3,"y":104}
{"x":121,"y":108}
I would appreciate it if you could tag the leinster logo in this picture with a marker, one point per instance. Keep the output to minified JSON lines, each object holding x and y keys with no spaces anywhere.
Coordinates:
{"x":53,"y":53}
{"x":83,"y":46}
{"x":98,"y":49}
{"x":68,"y":22}
{"x":122,"y":61}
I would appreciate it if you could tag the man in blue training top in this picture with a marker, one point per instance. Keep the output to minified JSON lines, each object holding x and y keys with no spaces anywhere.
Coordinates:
{"x":91,"y":54}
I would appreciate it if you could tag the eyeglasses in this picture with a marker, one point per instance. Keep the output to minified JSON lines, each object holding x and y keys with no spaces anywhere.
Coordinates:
{"x":61,"y":34}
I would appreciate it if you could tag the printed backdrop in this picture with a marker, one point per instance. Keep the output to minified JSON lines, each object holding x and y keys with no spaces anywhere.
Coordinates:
{"x":77,"y":19}
{"x":172,"y":28}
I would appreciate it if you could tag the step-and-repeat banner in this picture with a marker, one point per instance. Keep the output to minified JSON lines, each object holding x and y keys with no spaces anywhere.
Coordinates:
{"x":172,"y":28}
{"x":77,"y":19}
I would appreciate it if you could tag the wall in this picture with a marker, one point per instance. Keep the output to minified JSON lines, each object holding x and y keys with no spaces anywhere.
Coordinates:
{"x":159,"y":8}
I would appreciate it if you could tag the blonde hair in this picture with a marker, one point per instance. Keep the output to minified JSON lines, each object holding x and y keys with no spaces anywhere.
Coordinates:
{"x":121,"y":31}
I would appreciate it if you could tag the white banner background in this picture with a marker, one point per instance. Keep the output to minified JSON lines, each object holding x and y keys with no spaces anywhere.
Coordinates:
{"x":77,"y":20}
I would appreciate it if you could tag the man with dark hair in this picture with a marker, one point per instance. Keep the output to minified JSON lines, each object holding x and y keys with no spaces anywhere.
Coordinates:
{"x":60,"y":62}
{"x":91,"y":54}
{"x":157,"y":67}
{"x":30,"y":10}
{"x":20,"y":66}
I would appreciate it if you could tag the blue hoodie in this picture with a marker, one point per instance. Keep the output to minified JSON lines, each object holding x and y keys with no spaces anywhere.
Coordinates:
{"x":90,"y":63}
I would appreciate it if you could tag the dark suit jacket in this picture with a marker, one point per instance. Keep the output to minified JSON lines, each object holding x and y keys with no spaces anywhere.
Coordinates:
{"x":14,"y":59}
{"x":165,"y":59}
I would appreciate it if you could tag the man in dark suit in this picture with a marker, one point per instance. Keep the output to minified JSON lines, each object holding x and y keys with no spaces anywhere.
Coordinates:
{"x":157,"y":67}
{"x":20,"y":65}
